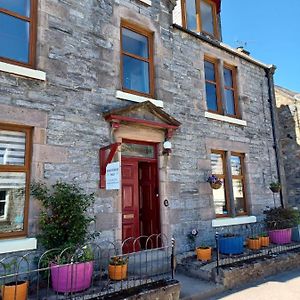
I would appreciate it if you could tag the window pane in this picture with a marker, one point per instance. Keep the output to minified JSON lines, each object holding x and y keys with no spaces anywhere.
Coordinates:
{"x":238,"y":195}
{"x":22,"y":7}
{"x":12,"y":147}
{"x":134,"y":43}
{"x":219,"y":201}
{"x":209,"y":71}
{"x":228,"y":77}
{"x":137,"y":150}
{"x":135,"y":74}
{"x":216,"y":163}
{"x":14,"y":38}
{"x":236,"y":168}
{"x":211,"y":96}
{"x":229,"y":102}
{"x":207,"y":20}
{"x":14,"y":186}
{"x":191,"y":14}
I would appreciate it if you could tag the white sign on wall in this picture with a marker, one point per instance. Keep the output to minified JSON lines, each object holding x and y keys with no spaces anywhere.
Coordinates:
{"x":113,"y":176}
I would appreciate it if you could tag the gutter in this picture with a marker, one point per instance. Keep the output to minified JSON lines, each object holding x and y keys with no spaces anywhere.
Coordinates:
{"x":224,"y":47}
{"x":269,"y":74}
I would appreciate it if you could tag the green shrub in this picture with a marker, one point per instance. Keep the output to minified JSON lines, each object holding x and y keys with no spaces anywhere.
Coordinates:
{"x":63,"y":219}
{"x":281,"y":218}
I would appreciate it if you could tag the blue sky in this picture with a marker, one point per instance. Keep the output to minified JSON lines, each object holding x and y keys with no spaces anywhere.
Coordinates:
{"x":271,"y":31}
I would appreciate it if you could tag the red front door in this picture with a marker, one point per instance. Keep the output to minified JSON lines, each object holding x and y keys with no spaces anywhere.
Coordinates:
{"x":130,"y":199}
{"x":140,"y":201}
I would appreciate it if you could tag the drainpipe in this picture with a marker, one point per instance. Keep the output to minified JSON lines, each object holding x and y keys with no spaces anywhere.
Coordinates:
{"x":269,"y":74}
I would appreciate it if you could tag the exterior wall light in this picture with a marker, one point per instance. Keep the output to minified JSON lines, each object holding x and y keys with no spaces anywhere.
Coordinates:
{"x":167,"y":148}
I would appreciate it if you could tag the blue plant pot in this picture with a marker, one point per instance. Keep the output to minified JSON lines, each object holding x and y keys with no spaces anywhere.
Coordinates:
{"x":296,"y":234}
{"x":231,"y":245}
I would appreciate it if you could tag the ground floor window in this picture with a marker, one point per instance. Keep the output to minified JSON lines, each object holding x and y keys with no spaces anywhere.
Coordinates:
{"x":230,"y":199}
{"x":15,"y":148}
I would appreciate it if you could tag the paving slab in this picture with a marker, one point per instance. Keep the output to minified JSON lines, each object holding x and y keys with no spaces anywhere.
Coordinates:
{"x":197,"y":289}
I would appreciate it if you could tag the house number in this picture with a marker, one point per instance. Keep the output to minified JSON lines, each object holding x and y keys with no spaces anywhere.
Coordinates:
{"x":166,"y":202}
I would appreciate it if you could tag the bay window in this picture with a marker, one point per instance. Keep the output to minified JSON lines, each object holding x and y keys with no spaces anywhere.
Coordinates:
{"x":200,"y":16}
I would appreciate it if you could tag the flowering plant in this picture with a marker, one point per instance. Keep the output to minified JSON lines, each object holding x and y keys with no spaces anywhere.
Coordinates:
{"x":192,"y":237}
{"x":213,"y":179}
{"x":118,"y":260}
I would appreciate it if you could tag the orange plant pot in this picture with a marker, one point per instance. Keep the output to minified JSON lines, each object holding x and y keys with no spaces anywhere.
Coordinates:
{"x":264,"y":241}
{"x":204,"y":254}
{"x":117,"y":272}
{"x":12,"y":291}
{"x":254,"y":244}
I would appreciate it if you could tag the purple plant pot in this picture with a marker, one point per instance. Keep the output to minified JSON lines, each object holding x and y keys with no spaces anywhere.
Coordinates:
{"x":71,"y":277}
{"x":281,"y":236}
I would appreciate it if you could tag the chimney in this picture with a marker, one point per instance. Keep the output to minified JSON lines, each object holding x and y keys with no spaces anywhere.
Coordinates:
{"x":242,"y":50}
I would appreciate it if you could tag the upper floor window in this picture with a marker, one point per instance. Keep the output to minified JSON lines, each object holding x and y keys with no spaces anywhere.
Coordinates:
{"x":137,"y":60}
{"x":221,"y":99}
{"x":15,"y":148}
{"x":200,"y":16}
{"x":18,"y":31}
{"x":230,"y":199}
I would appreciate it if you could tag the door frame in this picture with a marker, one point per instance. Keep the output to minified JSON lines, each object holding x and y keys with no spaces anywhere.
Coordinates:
{"x":143,"y":159}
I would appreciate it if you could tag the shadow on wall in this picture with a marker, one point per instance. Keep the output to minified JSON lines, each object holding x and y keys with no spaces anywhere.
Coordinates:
{"x":289,"y":123}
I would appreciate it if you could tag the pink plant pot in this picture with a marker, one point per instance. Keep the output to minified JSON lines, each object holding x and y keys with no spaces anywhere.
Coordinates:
{"x":71,"y":277}
{"x":281,"y":236}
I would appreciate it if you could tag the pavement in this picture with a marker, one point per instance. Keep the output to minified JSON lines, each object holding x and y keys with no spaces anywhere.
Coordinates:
{"x":282,"y":286}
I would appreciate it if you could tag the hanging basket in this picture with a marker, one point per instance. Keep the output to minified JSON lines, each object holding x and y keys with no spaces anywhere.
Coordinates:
{"x":275,"y":189}
{"x":215,"y":185}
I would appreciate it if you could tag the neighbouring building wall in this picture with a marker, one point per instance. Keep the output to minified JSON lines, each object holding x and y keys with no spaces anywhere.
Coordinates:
{"x":79,"y":49}
{"x":288,"y":109}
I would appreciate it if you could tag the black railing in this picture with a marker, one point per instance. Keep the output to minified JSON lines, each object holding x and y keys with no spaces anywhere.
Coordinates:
{"x":109,"y":267}
{"x":239,"y":243}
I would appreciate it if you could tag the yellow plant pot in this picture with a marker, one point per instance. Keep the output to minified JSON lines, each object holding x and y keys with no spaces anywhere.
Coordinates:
{"x":264,"y":241}
{"x":117,"y":272}
{"x":12,"y":291}
{"x":254,"y":244}
{"x":204,"y":254}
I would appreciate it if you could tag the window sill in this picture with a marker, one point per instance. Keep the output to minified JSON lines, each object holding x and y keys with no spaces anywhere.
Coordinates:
{"x":22,"y":71}
{"x":17,"y":244}
{"x":231,"y":120}
{"x":148,"y":2}
{"x":233,"y":221}
{"x":135,"y":98}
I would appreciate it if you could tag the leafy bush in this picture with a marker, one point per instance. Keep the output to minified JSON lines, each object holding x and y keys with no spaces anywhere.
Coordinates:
{"x":281,"y":218}
{"x":63,"y":219}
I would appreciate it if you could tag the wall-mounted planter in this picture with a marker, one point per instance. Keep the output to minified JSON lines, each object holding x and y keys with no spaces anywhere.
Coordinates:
{"x":231,"y":244}
{"x":281,"y":236}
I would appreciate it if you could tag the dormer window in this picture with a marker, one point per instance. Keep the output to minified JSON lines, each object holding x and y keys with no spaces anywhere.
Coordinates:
{"x":200,"y":16}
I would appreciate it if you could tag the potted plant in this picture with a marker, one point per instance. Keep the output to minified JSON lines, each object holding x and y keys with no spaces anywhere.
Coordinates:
{"x":214,"y":182}
{"x":264,"y":239}
{"x":15,"y":289}
{"x":275,"y":187}
{"x":64,"y":225}
{"x":231,"y":243}
{"x":279,"y":222}
{"x":191,"y":237}
{"x":254,"y":243}
{"x":117,"y":268}
{"x":203,"y":253}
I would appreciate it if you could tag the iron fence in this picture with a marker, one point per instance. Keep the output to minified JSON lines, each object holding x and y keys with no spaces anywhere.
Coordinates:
{"x":240,"y":243}
{"x":91,"y":271}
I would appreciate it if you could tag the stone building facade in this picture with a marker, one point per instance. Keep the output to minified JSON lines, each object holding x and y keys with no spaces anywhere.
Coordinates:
{"x":288,"y":109}
{"x":77,"y":78}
